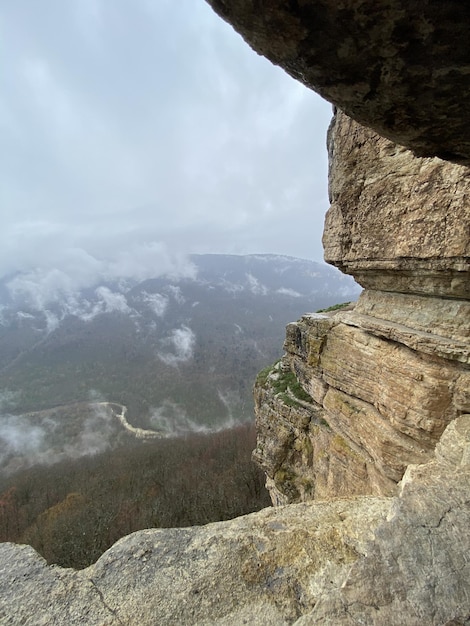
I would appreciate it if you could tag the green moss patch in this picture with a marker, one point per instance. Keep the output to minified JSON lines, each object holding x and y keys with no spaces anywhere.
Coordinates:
{"x":335,"y":307}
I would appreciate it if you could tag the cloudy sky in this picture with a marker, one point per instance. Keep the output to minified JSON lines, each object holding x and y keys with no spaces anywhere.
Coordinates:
{"x":134,"y":132}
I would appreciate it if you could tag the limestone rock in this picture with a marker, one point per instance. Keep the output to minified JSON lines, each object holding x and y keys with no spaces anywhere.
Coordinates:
{"x":399,"y":67}
{"x":266,"y":568}
{"x":387,"y":377}
{"x":435,"y":326}
{"x":417,"y":571}
{"x":381,"y":394}
{"x":33,"y":593}
{"x":396,"y":222}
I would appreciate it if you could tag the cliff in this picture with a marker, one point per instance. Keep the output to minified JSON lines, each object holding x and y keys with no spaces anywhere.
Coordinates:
{"x":383,"y":380}
{"x":365,"y":422}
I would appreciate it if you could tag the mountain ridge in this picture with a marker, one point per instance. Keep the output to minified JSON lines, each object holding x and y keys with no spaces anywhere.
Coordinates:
{"x":210,"y":330}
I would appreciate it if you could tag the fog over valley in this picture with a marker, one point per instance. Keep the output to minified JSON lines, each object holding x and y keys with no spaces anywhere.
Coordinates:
{"x":135,"y":165}
{"x":179,"y":349}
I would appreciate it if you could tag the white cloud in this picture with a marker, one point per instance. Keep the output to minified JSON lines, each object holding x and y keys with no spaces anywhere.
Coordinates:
{"x":172,"y":419}
{"x":17,"y":435}
{"x":257,"y":288}
{"x":176,"y":293}
{"x":157,"y":302}
{"x":40,"y":286}
{"x":289,"y":292}
{"x":26,"y":441}
{"x":121,"y":159}
{"x":181,"y":341}
{"x":112,"y":302}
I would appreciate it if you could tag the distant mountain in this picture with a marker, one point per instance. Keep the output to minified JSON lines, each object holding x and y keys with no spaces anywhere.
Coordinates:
{"x":177,"y":352}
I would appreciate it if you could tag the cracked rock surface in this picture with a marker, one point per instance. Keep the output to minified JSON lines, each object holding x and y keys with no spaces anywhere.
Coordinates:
{"x":267,"y":568}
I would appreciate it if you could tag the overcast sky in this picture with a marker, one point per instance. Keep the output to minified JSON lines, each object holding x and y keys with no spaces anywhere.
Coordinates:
{"x":134,"y":132}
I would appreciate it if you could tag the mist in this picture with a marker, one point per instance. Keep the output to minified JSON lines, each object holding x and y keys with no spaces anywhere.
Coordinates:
{"x":181,"y":341}
{"x":46,"y":285}
{"x":44,"y":438}
{"x":173,"y":420}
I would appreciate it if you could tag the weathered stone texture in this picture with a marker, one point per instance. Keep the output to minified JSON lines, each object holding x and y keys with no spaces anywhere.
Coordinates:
{"x":399,"y":67}
{"x":364,"y":560}
{"x":377,"y":404}
{"x":417,"y":571}
{"x":387,"y":377}
{"x":304,"y":460}
{"x":434,"y":326}
{"x":267,"y":568}
{"x":396,"y":222}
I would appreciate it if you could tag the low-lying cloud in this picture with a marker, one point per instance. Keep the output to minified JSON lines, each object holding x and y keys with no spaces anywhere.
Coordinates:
{"x":28,"y":440}
{"x":286,"y":291}
{"x":172,"y":419}
{"x":157,"y":302}
{"x":254,"y":285}
{"x":40,"y":287}
{"x":181,"y":341}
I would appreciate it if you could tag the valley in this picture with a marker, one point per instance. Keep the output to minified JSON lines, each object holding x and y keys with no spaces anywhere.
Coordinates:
{"x":129,"y":404}
{"x":176,"y":351}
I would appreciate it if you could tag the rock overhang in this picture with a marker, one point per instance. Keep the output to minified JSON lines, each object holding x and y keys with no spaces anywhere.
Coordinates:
{"x":401,"y":68}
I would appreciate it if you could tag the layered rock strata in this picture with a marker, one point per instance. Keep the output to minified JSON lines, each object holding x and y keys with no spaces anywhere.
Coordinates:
{"x":396,"y":66}
{"x":382,"y":381}
{"x":396,"y":222}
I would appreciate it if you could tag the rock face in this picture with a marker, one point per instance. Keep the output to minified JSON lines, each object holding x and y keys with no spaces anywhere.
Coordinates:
{"x":382,"y":381}
{"x":396,"y":222}
{"x":417,"y":570}
{"x":317,"y":563}
{"x":396,"y":66}
{"x":267,"y":568}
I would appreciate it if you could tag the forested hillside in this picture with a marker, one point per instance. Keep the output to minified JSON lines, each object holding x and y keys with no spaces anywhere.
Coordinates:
{"x":170,"y":348}
{"x":72,"y":511}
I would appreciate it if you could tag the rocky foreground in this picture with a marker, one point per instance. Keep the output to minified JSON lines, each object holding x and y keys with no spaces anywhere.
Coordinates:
{"x":363,"y":560}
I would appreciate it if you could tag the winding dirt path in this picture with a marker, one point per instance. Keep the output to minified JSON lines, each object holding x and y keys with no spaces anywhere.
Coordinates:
{"x":139,"y":433}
